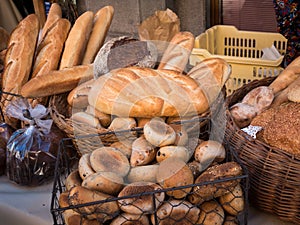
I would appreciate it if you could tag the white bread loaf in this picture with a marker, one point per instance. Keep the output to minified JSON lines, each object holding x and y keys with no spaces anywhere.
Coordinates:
{"x":77,"y":40}
{"x":146,"y":92}
{"x":178,"y":52}
{"x":101,"y":24}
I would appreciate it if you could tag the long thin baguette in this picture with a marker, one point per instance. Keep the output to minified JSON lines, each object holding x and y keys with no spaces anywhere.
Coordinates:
{"x":57,"y":81}
{"x":77,"y":40}
{"x":101,"y":24}
{"x":178,"y":52}
{"x":50,"y":48}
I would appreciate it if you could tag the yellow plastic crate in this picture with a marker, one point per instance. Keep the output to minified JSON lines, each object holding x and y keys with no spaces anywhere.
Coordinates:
{"x":242,"y":50}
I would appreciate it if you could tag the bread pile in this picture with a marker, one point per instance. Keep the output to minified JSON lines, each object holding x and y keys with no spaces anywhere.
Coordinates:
{"x":275,"y":109}
{"x":150,"y":180}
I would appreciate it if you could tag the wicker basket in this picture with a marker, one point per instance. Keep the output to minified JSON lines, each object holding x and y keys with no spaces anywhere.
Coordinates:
{"x":274,"y":174}
{"x":60,"y":114}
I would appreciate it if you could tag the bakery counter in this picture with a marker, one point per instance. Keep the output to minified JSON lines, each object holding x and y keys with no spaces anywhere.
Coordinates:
{"x":29,"y":206}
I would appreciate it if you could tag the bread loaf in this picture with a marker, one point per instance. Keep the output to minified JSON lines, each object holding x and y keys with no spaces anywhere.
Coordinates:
{"x":19,"y":56}
{"x":75,"y":45}
{"x":178,"y":52}
{"x":101,"y":24}
{"x":50,"y":48}
{"x":57,"y":81}
{"x":146,"y":92}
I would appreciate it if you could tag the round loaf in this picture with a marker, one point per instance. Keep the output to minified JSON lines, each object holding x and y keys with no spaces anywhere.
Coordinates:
{"x":158,"y":133}
{"x":106,"y":182}
{"x":174,"y":172}
{"x":142,"y":204}
{"x":233,"y":202}
{"x":84,"y":166}
{"x":176,"y":212}
{"x":110,"y":160}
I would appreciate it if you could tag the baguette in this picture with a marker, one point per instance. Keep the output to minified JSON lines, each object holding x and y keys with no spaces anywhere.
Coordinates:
{"x":19,"y":56}
{"x":77,"y":40}
{"x":178,"y":52}
{"x":101,"y":24}
{"x":145,"y":92}
{"x":54,"y":15}
{"x":57,"y":81}
{"x":50,"y":48}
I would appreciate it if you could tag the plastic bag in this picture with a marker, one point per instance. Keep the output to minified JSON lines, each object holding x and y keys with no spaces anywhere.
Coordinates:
{"x":32,"y":150}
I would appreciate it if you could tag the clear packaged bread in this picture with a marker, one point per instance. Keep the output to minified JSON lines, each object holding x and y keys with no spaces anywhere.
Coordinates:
{"x":31,"y":150}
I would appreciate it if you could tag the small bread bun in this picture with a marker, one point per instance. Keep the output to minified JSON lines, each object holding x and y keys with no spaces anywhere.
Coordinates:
{"x":142,"y":204}
{"x":242,"y":114}
{"x":124,"y":146}
{"x":103,"y":118}
{"x":84,"y":166}
{"x":180,"y":152}
{"x":106,"y":182}
{"x":85,"y":118}
{"x":73,"y":180}
{"x":78,"y":97}
{"x":146,"y":173}
{"x":120,"y":124}
{"x":111,"y":160}
{"x":174,"y":172}
{"x":130,"y":219}
{"x":176,"y":212}
{"x":181,"y":134}
{"x":208,"y":152}
{"x":142,"y":152}
{"x":159,"y":133}
{"x":211,"y":213}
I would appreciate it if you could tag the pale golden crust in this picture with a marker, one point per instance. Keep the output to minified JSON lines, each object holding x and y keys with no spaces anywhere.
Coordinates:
{"x":54,"y":15}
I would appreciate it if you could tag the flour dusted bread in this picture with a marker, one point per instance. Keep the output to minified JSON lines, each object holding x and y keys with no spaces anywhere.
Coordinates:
{"x":146,"y":92}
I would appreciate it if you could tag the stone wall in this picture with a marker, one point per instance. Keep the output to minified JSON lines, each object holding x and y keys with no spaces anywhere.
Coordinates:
{"x":130,"y":13}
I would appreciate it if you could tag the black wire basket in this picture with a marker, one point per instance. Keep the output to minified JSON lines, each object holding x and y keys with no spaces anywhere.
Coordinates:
{"x":170,"y":215}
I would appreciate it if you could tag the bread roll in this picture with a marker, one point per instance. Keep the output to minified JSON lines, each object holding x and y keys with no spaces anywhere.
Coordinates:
{"x":84,"y":166}
{"x":294,"y":93}
{"x":201,"y":194}
{"x":182,"y":136}
{"x":174,"y":172}
{"x":143,"y":204}
{"x":104,"y":181}
{"x":130,"y":219}
{"x":73,"y":179}
{"x":124,"y":146}
{"x":57,"y":81}
{"x":101,"y":24}
{"x":176,"y":212}
{"x":178,"y":52}
{"x":146,"y":173}
{"x":145,"y":92}
{"x":111,"y":160}
{"x":78,"y":37}
{"x":86,"y":119}
{"x":101,"y":211}
{"x":165,"y":152}
{"x":208,"y":152}
{"x":242,"y":114}
{"x":104,"y":119}
{"x":142,"y":152}
{"x":121,"y":124}
{"x":211,"y":213}
{"x":19,"y":56}
{"x":158,"y":133}
{"x":233,"y":202}
{"x":78,"y":97}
